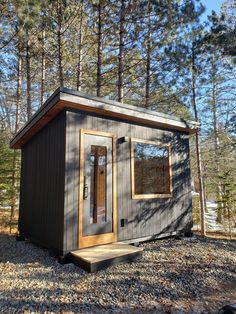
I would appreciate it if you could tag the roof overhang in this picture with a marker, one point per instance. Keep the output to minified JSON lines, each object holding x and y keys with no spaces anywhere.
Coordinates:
{"x":65,"y":98}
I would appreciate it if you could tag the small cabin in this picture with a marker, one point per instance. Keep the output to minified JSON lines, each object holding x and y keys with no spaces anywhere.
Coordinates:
{"x":96,"y":171}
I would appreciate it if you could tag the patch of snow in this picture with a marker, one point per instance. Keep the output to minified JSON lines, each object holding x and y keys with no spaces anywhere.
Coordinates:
{"x":211,"y":218}
{"x":211,"y":204}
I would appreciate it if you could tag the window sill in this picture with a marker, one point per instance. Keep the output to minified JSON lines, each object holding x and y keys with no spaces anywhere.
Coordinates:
{"x":146,"y":196}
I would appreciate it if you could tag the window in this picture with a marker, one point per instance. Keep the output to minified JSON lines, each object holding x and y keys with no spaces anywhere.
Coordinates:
{"x":150,"y":169}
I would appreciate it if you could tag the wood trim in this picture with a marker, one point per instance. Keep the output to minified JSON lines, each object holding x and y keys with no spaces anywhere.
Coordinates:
{"x":138,"y":140}
{"x":106,"y":237}
{"x":81,"y":186}
{"x":133,"y":116}
{"x":62,"y":100}
{"x":129,"y":111}
{"x":170,"y":171}
{"x":132,"y":169}
{"x":147,"y":196}
{"x":98,"y":133}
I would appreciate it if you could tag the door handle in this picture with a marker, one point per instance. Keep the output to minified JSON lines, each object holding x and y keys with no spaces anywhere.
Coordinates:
{"x":85,"y":191}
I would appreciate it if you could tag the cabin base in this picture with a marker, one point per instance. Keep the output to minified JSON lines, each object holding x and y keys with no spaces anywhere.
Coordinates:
{"x":64,"y":259}
{"x":20,"y":238}
{"x":188,"y":234}
{"x":102,"y":256}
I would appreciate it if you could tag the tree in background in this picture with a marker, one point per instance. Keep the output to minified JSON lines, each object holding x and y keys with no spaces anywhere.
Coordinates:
{"x":219,"y":108}
{"x":149,"y":53}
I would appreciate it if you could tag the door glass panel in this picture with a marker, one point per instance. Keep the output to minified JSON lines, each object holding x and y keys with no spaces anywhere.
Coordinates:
{"x":98,"y":184}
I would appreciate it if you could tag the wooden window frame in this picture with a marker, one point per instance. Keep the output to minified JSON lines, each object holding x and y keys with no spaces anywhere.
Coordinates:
{"x":104,"y":238}
{"x":146,"y":196}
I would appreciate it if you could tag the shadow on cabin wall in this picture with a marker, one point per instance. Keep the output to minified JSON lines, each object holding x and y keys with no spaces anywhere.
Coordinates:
{"x":174,"y":213}
{"x":145,"y":217}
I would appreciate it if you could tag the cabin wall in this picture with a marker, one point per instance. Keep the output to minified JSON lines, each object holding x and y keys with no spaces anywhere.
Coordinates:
{"x":70,"y":240}
{"x":42,"y":186}
{"x":146,"y":218}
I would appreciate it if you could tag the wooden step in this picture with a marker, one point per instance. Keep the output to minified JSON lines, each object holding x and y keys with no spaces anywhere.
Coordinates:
{"x":102,"y":256}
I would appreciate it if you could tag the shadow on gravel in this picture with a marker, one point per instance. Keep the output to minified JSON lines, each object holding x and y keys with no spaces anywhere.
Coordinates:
{"x":22,"y":252}
{"x":170,"y":271}
{"x":171,"y":243}
{"x":51,"y":306}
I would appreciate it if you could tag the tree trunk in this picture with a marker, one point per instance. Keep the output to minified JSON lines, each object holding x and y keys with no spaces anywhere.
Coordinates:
{"x":204,"y":190}
{"x":16,"y":129}
{"x":148,"y":59}
{"x":99,"y":50}
{"x":43,"y":68}
{"x":198,"y":151}
{"x":18,"y":93}
{"x":80,"y":52}
{"x":121,"y":53}
{"x":13,"y":189}
{"x":230,"y":223}
{"x":28,"y":75}
{"x":60,"y":68}
{"x":220,"y":205}
{"x":200,"y":178}
{"x":59,"y":43}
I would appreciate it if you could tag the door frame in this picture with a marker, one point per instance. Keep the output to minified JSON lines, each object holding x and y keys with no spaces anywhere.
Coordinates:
{"x":104,"y":238}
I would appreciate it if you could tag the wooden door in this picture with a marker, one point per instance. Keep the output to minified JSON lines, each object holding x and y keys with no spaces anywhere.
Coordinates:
{"x":97,"y":210}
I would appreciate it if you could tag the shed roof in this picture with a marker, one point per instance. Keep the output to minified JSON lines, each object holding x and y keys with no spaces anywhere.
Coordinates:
{"x":66,"y":98}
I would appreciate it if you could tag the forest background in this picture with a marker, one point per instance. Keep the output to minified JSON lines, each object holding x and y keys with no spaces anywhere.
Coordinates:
{"x":158,"y":54}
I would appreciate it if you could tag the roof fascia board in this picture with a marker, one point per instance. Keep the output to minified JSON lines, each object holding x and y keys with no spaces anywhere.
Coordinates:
{"x":65,"y":98}
{"x":126,"y":112}
{"x":126,"y":106}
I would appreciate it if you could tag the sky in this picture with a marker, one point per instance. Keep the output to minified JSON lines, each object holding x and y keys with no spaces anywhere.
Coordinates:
{"x":212,"y":5}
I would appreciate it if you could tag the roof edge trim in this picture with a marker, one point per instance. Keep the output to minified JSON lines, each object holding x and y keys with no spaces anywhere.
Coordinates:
{"x":65,"y":98}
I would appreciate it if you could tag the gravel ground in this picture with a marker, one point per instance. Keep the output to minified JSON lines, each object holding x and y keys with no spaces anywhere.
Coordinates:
{"x":192,"y":275}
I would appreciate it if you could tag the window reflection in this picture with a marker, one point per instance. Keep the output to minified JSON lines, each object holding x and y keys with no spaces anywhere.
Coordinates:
{"x":151,"y":169}
{"x":98,"y":163}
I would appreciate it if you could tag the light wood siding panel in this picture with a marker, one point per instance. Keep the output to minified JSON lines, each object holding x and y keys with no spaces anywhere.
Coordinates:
{"x":42,"y":186}
{"x":148,"y":217}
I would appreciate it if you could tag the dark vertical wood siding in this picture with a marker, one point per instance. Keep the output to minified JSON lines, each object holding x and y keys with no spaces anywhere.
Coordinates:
{"x":149,"y":217}
{"x":42,"y":186}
